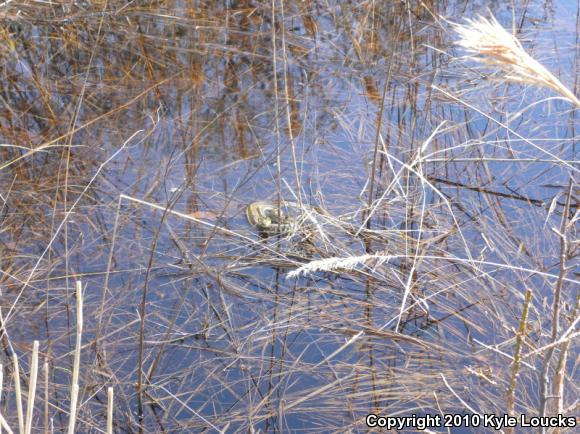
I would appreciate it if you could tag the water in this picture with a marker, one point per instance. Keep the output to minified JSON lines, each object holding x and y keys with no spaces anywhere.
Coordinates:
{"x":194,"y":110}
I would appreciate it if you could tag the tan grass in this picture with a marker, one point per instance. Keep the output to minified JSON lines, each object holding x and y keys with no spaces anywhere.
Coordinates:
{"x":488,"y":42}
{"x":32,"y":388}
{"x":25,"y":425}
{"x":77,"y":360}
{"x":5,"y":425}
{"x":1,"y":383}
{"x":18,"y":391}
{"x":110,"y":410}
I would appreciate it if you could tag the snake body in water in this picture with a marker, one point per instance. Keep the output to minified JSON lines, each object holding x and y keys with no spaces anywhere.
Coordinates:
{"x":270,"y":219}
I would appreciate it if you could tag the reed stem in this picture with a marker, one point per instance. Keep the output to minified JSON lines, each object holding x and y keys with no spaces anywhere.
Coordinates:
{"x":77,"y":360}
{"x":18,"y":391}
{"x":518,"y":357}
{"x":110,"y":410}
{"x":32,"y":388}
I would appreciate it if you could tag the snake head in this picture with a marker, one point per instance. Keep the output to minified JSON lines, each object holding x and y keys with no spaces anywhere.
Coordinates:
{"x":264,"y":222}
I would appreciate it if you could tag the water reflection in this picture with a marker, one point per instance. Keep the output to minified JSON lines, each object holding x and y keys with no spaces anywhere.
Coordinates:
{"x":148,"y":127}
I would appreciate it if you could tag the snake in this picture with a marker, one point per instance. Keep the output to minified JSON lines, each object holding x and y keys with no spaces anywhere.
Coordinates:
{"x":265,"y":218}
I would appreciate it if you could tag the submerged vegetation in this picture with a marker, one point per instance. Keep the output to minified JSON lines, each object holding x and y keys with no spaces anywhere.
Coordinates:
{"x":430,"y":262}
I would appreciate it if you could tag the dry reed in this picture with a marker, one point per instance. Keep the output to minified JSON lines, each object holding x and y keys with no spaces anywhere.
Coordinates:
{"x":31,"y":388}
{"x":520,"y":336}
{"x":5,"y":425}
{"x":427,"y":297}
{"x":46,"y":394}
{"x":488,"y":42}
{"x":18,"y":391}
{"x":1,"y":387}
{"x":77,"y":360}
{"x":110,"y":403}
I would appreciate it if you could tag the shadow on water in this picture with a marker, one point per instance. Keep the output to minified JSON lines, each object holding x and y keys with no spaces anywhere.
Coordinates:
{"x":134,"y":134}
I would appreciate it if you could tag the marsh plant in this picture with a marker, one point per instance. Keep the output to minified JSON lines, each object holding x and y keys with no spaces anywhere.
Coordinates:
{"x":428,"y":266}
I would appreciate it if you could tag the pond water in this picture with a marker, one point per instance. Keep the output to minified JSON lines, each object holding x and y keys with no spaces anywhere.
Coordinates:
{"x":134,"y":135}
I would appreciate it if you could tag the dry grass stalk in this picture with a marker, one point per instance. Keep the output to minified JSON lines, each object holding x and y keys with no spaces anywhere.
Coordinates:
{"x":560,"y":376}
{"x":557,"y":381}
{"x":109,"y":410}
{"x":77,"y":361}
{"x":18,"y":392}
{"x":490,"y":43}
{"x":270,"y":348}
{"x":5,"y":425}
{"x":74,"y":396}
{"x":46,"y":374}
{"x":1,"y":383}
{"x":333,"y":264}
{"x":511,"y":398}
{"x":32,"y":388}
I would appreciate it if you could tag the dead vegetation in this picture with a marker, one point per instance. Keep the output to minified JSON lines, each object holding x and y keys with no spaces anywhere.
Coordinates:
{"x":440,"y":275}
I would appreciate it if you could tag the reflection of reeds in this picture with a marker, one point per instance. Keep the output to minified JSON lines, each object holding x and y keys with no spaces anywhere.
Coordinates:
{"x":228,"y":344}
{"x":488,"y":42}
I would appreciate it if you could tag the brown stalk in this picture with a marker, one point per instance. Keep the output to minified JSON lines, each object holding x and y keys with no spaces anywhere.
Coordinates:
{"x":545,"y":379}
{"x":517,"y":357}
